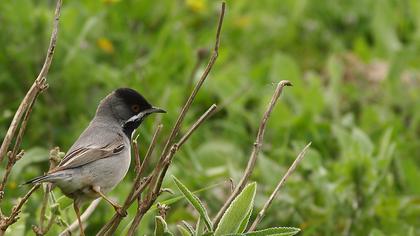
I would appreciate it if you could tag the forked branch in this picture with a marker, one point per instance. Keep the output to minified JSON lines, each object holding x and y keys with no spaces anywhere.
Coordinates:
{"x":255,"y":151}
{"x":21,"y":118}
{"x":171,"y":146}
{"x":277,"y":189}
{"x":38,"y":86}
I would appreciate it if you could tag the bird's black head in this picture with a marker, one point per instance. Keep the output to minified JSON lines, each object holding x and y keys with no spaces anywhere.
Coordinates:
{"x":128,"y":106}
{"x":133,"y":102}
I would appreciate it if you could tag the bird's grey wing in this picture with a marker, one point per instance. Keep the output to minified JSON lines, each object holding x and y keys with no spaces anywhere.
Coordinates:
{"x":89,"y":152}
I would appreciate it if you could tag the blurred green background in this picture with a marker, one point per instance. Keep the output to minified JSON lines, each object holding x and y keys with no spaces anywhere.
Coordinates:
{"x":356,"y":96}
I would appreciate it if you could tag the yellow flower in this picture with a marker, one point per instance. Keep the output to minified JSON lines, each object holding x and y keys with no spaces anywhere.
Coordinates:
{"x":242,"y":21}
{"x":105,"y":45}
{"x":12,"y":185}
{"x":196,"y":6}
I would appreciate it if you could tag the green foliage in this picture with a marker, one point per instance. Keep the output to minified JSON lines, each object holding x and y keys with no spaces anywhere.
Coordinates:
{"x":245,"y":221}
{"x":184,"y":230}
{"x":237,"y":213}
{"x":161,"y":227}
{"x":278,"y":231}
{"x":354,"y":66}
{"x":195,"y":202}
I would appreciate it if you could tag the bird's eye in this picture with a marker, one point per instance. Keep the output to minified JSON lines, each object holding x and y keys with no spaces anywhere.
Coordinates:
{"x":135,"y":108}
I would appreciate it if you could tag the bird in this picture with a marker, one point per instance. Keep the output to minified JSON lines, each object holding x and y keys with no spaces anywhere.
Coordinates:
{"x":100,"y":158}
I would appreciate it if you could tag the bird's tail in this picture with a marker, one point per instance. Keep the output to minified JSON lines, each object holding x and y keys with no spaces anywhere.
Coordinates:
{"x":45,"y":178}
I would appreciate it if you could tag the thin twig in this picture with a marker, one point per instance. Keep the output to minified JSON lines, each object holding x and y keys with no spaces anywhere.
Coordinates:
{"x":170,"y":147}
{"x":10,"y":163}
{"x":203,"y":117}
{"x":152,"y":196}
{"x":255,"y":151}
{"x":6,"y":222}
{"x":110,"y":227}
{"x":137,"y":160}
{"x":279,"y":185}
{"x":137,"y":187}
{"x":197,"y":87}
{"x":150,"y":150}
{"x":181,"y":141}
{"x":42,"y":216}
{"x":13,"y":156}
{"x":186,"y":107}
{"x":25,"y":109}
{"x":42,"y":229}
{"x":38,"y":86}
{"x":86,"y":214}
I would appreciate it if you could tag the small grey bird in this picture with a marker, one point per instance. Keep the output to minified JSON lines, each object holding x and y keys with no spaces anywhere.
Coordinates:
{"x":100,"y":157}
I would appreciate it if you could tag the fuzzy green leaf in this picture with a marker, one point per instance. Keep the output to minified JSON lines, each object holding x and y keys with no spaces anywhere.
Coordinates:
{"x":184,"y":231}
{"x":199,"y":227}
{"x":238,"y":210}
{"x":276,"y":231}
{"x":245,"y":222}
{"x":161,"y":228}
{"x":195,"y":202}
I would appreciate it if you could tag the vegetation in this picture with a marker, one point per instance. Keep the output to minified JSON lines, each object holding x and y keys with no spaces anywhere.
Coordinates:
{"x":354,"y":67}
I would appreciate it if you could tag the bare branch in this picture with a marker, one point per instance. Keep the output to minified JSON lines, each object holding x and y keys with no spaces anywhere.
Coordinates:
{"x":23,"y":112}
{"x":170,"y":146}
{"x":200,"y":120}
{"x":7,"y":221}
{"x":86,"y":214}
{"x":255,"y":151}
{"x":197,"y":87}
{"x":137,"y":160}
{"x":150,"y":150}
{"x":42,"y":229}
{"x":277,"y":189}
{"x":137,"y":187}
{"x":152,"y":196}
{"x":187,"y":105}
{"x":111,"y":226}
{"x":38,"y":86}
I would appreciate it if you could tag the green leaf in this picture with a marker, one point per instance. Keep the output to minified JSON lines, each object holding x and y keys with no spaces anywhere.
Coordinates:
{"x":183,"y":230}
{"x":276,"y":231}
{"x":161,"y":228}
{"x":195,"y":202}
{"x":199,"y":227}
{"x":238,"y":210}
{"x":189,"y":227}
{"x":245,"y":222}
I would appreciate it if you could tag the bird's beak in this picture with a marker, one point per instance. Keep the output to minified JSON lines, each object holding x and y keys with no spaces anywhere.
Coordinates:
{"x":139,"y":117}
{"x":154,"y":110}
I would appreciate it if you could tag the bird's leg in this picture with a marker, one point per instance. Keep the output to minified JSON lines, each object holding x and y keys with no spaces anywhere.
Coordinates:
{"x":116,"y":206}
{"x":77,"y":210}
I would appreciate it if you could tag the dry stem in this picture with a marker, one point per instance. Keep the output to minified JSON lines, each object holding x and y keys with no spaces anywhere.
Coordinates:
{"x":152,"y":196}
{"x":279,"y":185}
{"x":42,"y":229}
{"x":170,"y":147}
{"x":21,"y":117}
{"x":7,"y":221}
{"x":38,"y":86}
{"x":137,"y":187}
{"x":86,"y":214}
{"x":197,"y":87}
{"x":163,"y":163}
{"x":255,"y":151}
